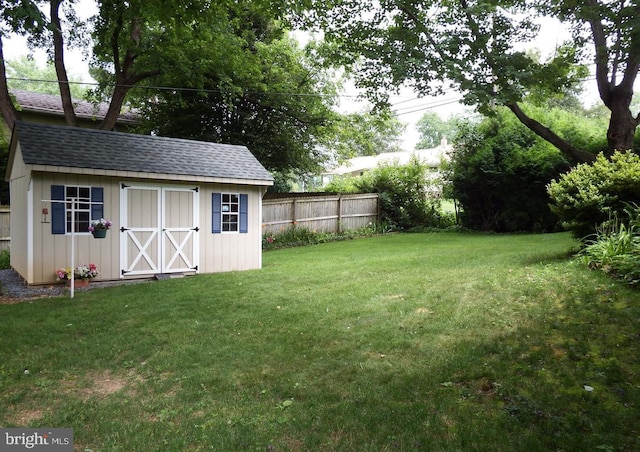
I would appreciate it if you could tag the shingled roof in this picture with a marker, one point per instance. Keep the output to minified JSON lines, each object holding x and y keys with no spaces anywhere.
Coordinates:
{"x":75,"y":147}
{"x":52,"y":104}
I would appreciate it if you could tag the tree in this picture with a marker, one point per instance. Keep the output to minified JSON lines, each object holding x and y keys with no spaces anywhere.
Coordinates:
{"x":499,"y":170}
{"x":270,"y":98}
{"x":16,"y":17}
{"x":131,"y":41}
{"x":25,"y":74}
{"x":474,"y":45}
{"x":231,"y":73}
{"x":432,"y":129}
{"x":366,"y":133}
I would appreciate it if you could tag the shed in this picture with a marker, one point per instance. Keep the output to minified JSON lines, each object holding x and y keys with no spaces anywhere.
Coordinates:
{"x":177,"y":206}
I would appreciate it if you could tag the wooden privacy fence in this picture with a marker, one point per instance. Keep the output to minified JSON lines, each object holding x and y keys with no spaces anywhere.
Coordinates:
{"x":5,"y":227}
{"x":319,"y":212}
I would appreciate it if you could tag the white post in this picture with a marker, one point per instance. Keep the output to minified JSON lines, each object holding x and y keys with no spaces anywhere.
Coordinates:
{"x":73,"y":245}
{"x":73,"y":233}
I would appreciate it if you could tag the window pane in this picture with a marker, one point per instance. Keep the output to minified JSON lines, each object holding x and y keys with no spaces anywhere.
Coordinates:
{"x":78,"y":199}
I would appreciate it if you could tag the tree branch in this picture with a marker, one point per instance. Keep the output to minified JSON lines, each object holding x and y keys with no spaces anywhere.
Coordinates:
{"x":58,"y":60}
{"x":600,"y":43}
{"x":7,"y":109}
{"x":547,"y":134}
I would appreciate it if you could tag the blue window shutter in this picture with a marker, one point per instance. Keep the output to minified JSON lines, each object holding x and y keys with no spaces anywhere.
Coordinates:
{"x":58,"y":210}
{"x":216,"y":213}
{"x":97,"y":210}
{"x":244,"y":213}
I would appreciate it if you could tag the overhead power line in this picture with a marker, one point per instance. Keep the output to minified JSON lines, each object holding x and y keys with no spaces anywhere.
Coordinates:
{"x":177,"y":88}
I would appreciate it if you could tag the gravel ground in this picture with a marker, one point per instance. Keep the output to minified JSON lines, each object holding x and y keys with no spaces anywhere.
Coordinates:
{"x":13,"y":288}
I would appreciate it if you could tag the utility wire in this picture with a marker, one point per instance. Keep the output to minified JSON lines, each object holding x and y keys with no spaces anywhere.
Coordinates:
{"x":175,"y":88}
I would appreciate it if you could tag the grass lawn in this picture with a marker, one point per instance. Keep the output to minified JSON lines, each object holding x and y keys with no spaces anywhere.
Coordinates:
{"x":412,"y":341}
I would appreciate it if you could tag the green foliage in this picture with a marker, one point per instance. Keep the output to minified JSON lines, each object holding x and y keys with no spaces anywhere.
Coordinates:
{"x":343,"y":184}
{"x":301,"y":236}
{"x":25,"y":74}
{"x":498,"y":174}
{"x":281,"y":183}
{"x":476,"y":47}
{"x":591,"y":194}
{"x":405,"y":196}
{"x":254,"y":87}
{"x":432,"y":129}
{"x":5,"y":259}
{"x":21,"y":17}
{"x":369,"y":133}
{"x":616,"y":248}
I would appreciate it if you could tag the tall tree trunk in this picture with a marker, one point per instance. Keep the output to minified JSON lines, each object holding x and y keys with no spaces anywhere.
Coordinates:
{"x":125,"y":75}
{"x":58,"y":61}
{"x":7,"y":109}
{"x":617,"y":98}
{"x":622,"y":125}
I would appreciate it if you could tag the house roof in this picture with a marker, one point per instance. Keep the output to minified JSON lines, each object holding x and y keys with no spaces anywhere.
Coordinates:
{"x":431,"y":157}
{"x":52,"y":104}
{"x":64,"y":148}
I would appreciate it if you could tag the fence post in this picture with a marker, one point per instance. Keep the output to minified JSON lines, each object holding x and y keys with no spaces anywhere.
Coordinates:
{"x":295,"y":205}
{"x":339,"y":214}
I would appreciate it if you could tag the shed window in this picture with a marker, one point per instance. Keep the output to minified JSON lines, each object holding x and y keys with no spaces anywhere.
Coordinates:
{"x":76,"y":207}
{"x":229,"y":212}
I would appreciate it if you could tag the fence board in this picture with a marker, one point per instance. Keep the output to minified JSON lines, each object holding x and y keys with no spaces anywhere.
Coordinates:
{"x":5,"y":228}
{"x":319,"y":213}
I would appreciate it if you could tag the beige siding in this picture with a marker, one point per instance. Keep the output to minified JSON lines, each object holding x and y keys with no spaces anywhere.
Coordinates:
{"x":51,"y":252}
{"x":20,"y":193}
{"x":231,"y":251}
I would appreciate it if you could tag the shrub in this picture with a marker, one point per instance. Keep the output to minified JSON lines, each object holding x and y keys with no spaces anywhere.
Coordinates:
{"x":301,"y":236}
{"x":616,"y":248}
{"x":5,"y":260}
{"x":404,"y":190}
{"x":498,"y":174}
{"x":591,"y":194}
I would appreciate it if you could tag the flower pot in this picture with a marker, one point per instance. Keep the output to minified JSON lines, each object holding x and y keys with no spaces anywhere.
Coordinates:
{"x":99,"y":233}
{"x":79,"y":283}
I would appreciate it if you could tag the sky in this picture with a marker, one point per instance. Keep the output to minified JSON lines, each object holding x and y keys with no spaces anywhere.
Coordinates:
{"x":408,"y":107}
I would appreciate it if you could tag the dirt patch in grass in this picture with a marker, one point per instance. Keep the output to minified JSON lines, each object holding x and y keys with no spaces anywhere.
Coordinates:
{"x":25,"y":417}
{"x":99,"y":384}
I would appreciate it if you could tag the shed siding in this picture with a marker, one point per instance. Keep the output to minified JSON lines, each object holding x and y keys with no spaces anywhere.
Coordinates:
{"x":217,"y":252}
{"x":51,"y":252}
{"x":222,"y":252}
{"x":19,"y":187}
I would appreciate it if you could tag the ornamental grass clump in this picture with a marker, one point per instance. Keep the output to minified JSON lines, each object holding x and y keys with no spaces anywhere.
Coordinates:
{"x":616,"y":247}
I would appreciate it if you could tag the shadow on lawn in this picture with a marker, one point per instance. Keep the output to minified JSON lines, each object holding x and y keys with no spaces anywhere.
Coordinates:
{"x":568,"y":380}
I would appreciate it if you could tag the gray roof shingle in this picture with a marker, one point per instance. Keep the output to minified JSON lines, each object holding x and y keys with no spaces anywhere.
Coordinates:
{"x":76,"y":147}
{"x":52,"y":104}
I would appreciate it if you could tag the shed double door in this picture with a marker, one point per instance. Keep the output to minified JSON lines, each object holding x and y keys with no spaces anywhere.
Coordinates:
{"x":159,"y":232}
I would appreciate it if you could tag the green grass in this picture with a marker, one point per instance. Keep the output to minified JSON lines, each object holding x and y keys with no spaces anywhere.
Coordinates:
{"x":433,"y":341}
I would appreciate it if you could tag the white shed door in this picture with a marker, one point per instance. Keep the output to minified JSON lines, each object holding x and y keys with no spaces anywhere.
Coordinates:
{"x":159,"y":232}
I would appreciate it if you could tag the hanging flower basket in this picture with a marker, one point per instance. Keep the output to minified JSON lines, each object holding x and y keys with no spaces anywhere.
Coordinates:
{"x":99,"y":228}
{"x":99,"y":233}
